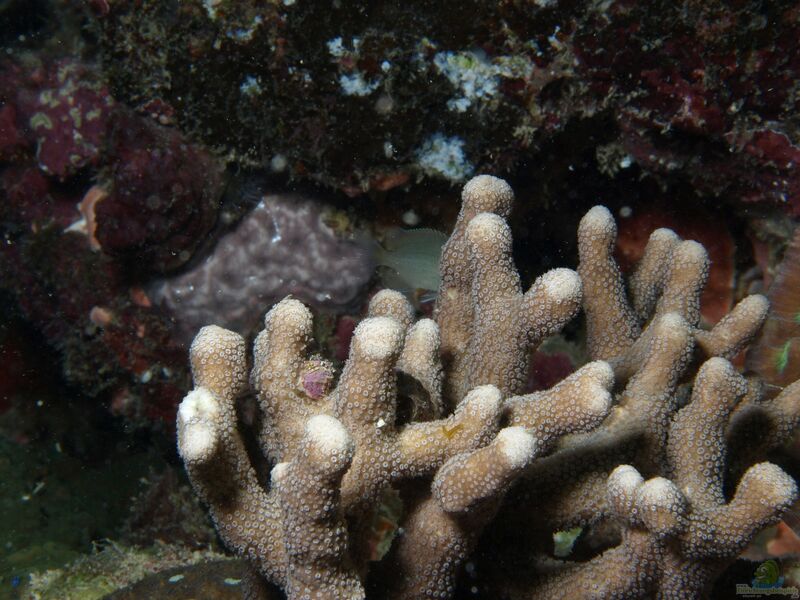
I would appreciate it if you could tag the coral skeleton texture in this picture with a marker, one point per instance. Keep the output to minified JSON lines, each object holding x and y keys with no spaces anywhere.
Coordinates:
{"x":638,"y":447}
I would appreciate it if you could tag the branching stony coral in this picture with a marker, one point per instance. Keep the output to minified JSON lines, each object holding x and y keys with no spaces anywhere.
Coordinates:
{"x":647,"y":331}
{"x":435,"y":411}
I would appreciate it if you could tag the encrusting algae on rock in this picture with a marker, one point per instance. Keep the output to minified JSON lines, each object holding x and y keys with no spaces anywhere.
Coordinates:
{"x":484,"y":469}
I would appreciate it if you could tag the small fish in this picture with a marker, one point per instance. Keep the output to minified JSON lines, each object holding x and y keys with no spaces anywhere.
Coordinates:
{"x":408,"y":259}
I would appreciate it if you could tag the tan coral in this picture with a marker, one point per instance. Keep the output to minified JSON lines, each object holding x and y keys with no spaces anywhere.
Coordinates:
{"x":246,"y":517}
{"x":648,"y":512}
{"x":678,"y":533}
{"x":489,"y":326}
{"x":434,"y":411}
{"x":652,"y":340}
{"x":441,"y":531}
{"x":617,"y":326}
{"x":308,"y":488}
{"x":718,"y":529}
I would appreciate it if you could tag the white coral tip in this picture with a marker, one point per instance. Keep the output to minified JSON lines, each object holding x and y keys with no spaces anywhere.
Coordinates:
{"x":199,"y":404}
{"x":198,"y":442}
{"x":598,"y":217}
{"x":518,"y":446}
{"x":625,"y":478}
{"x":484,"y":399}
{"x":561,"y":285}
{"x":379,"y":337}
{"x":328,"y":434}
{"x":197,"y":419}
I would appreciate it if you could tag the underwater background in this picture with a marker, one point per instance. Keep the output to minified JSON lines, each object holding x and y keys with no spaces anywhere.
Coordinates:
{"x":168,"y":164}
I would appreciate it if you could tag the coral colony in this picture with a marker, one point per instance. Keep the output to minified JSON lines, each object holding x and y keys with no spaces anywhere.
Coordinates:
{"x":645,"y":447}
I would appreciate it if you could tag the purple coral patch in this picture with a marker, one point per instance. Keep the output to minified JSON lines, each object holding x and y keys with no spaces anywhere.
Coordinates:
{"x":282,"y":247}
